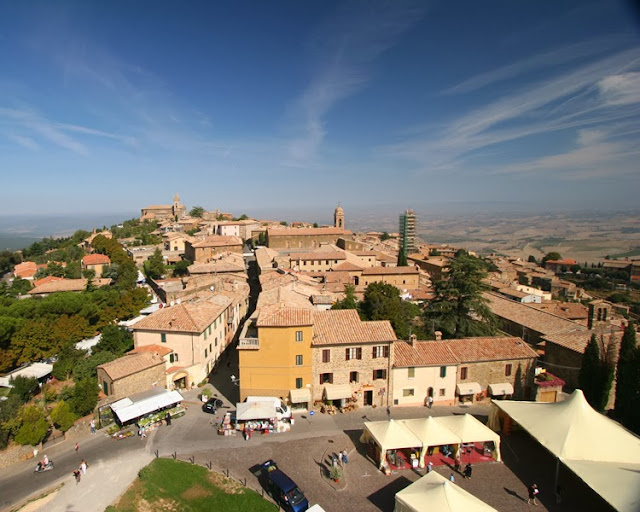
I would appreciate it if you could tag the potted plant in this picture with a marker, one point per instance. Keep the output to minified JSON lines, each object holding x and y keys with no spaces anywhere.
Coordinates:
{"x":335,"y":473}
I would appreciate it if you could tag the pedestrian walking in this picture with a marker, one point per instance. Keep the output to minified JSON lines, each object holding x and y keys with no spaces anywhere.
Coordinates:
{"x":83,"y":467}
{"x":76,"y":475}
{"x":340,"y":458}
{"x":429,"y":467}
{"x":467,"y":471}
{"x":388,"y":411}
{"x":457,"y":463}
{"x":345,"y":457}
{"x":92,"y":426}
{"x":430,"y":402}
{"x":533,"y":492}
{"x":451,"y":478}
{"x":76,"y":447}
{"x":168,"y":418}
{"x":143,"y":432}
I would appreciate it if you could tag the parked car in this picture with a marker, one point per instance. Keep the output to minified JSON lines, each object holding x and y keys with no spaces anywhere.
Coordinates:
{"x":281,"y":488}
{"x":212,"y":405}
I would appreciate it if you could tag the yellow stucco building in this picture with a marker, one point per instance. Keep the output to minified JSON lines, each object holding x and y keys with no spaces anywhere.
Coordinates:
{"x":275,"y":354}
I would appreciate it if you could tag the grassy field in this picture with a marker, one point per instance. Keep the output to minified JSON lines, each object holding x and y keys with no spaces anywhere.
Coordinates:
{"x":169,"y":485}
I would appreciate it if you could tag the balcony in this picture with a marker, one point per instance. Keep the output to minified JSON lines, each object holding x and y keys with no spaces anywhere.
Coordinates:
{"x":248,"y":344}
{"x":249,"y":336}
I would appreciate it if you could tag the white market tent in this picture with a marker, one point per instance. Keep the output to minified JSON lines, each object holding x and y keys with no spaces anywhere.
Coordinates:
{"x":127,"y":409}
{"x":255,"y":411}
{"x":600,"y":451}
{"x":434,"y":492}
{"x":34,"y":370}
{"x":470,"y":430}
{"x":431,"y":433}
{"x":389,"y":435}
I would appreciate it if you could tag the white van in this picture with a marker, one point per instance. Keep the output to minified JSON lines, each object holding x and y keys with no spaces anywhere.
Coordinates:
{"x":282,"y":410}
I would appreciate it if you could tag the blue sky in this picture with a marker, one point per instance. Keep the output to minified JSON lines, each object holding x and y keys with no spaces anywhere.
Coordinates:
{"x":242,"y":106}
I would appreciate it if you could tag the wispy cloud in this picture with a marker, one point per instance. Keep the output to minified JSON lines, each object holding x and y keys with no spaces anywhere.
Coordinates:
{"x":343,"y":51}
{"x":25,"y":142}
{"x":585,"y":97}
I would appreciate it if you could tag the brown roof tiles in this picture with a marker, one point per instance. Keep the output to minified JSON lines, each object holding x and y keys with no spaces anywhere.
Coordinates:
{"x":190,"y":317}
{"x":279,"y":315}
{"x":345,"y":327}
{"x":424,"y":353}
{"x":130,"y":364}
{"x":490,"y":349}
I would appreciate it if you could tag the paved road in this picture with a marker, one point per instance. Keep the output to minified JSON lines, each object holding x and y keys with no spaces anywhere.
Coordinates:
{"x":19,"y":482}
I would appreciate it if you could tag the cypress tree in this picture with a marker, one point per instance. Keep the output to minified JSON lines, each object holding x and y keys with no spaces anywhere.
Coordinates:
{"x":588,"y":378}
{"x":625,"y":385}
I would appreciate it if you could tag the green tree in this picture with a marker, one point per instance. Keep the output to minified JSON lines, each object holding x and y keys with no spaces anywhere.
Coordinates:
{"x":262,"y":238}
{"x":315,"y":224}
{"x":551,"y":256}
{"x":596,"y":374}
{"x":9,"y":423}
{"x":197,"y":211}
{"x":181,"y":268}
{"x":68,"y":358}
{"x":85,"y":397}
{"x":62,"y":416}
{"x":402,"y":258}
{"x":19,"y":287}
{"x":115,"y":339}
{"x":384,"y":236}
{"x":625,"y":387}
{"x":349,"y":300}
{"x":86,"y":368}
{"x":24,"y":387}
{"x":284,"y":223}
{"x":382,"y":302}
{"x":34,"y":426}
{"x":8,"y":260}
{"x":458,"y":308}
{"x":154,"y":266}
{"x":532,"y":259}
{"x":110,"y":272}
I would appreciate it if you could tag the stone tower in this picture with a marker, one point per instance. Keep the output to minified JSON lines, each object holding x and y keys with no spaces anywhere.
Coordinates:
{"x":178,"y":208}
{"x":338,"y":217}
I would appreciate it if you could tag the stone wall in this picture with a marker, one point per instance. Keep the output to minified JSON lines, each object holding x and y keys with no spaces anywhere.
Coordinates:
{"x":493,"y":372}
{"x":141,"y":381}
{"x":300,"y":241}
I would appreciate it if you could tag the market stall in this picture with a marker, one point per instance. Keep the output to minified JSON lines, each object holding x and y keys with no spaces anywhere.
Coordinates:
{"x":466,"y":391}
{"x":433,"y":435}
{"x":337,"y":394}
{"x":391,"y":444}
{"x":300,"y":398}
{"x":435,"y":492}
{"x":478,"y":440}
{"x":259,"y":417}
{"x":148,"y":409}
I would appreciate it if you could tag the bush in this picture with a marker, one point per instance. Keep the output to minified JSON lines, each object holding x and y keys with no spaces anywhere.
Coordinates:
{"x":34,"y":426}
{"x":85,"y":397}
{"x":62,"y":416}
{"x":24,"y":387}
{"x":50,"y":394}
{"x":116,"y":339}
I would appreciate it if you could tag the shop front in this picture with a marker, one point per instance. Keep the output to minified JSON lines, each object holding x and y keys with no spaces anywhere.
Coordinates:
{"x":468,"y":391}
{"x":300,"y":399}
{"x":337,"y":394}
{"x":501,"y":391}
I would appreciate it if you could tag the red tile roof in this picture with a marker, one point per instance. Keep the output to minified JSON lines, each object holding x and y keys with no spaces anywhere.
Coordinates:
{"x":424,"y":353}
{"x":130,"y":364}
{"x":158,"y":349}
{"x":67,"y":285}
{"x":191,"y":317}
{"x":373,"y":271}
{"x":217,"y":241}
{"x":96,"y":259}
{"x":325,"y":255}
{"x":347,"y":266}
{"x":25,"y":269}
{"x":278,"y":315}
{"x":345,"y":327}
{"x":48,"y":279}
{"x":306,"y":231}
{"x":469,"y":350}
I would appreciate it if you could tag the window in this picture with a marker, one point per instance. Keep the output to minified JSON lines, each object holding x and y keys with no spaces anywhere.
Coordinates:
{"x":210,"y":348}
{"x":298,"y":335}
{"x":463,"y":373}
{"x":407,"y":392}
{"x":443,"y":372}
{"x":326,"y":378}
{"x":442,"y":392}
{"x":353,"y":353}
{"x":298,"y":360}
{"x":216,"y":342}
{"x":353,"y":376}
{"x":172,"y":358}
{"x":175,"y":357}
{"x":205,"y":334}
{"x":105,"y":387}
{"x":209,"y":329}
{"x":379,"y":374}
{"x":215,"y":323}
{"x":380,"y":351}
{"x":298,"y":383}
{"x":326,"y":355}
{"x":411,"y":372}
{"x":163,"y":338}
{"x":507,"y":369}
{"x":205,"y":352}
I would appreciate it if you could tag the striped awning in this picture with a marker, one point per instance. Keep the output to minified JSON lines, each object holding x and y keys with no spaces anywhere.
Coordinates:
{"x":300,"y":396}
{"x":501,"y":389}
{"x":468,"y":388}
{"x":337,"y":391}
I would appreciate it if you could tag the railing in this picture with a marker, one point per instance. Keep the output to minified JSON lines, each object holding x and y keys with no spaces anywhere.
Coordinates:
{"x":248,"y":344}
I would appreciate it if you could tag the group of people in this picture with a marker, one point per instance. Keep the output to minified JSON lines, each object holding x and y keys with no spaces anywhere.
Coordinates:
{"x":82,"y":470}
{"x":341,"y":457}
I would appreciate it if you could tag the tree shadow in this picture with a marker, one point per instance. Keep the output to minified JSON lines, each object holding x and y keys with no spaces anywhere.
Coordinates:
{"x":384,"y":498}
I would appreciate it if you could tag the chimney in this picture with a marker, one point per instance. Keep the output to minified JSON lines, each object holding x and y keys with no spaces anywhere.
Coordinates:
{"x":412,"y":339}
{"x":438,"y":335}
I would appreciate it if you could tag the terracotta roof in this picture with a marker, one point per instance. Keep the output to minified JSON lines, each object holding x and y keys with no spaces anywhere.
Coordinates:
{"x":306,"y":231}
{"x":528,"y":316}
{"x":96,"y":259}
{"x":48,"y":279}
{"x":576,"y":340}
{"x":217,"y":241}
{"x":130,"y":364}
{"x":511,"y":292}
{"x":157,"y":349}
{"x":25,"y":269}
{"x":570,"y":310}
{"x":347,"y":267}
{"x":389,"y":270}
{"x":279,"y":315}
{"x":423,"y":353}
{"x":469,"y":350}
{"x":326,"y":255}
{"x":67,"y":285}
{"x":158,"y":207}
{"x":190,"y":317}
{"x":345,"y":327}
{"x":212,"y":268}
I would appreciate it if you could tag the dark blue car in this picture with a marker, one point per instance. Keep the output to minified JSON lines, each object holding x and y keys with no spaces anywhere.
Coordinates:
{"x":281,"y":488}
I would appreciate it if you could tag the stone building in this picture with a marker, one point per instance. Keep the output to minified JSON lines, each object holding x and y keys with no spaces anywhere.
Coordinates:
{"x":131,"y":374}
{"x":351,"y":358}
{"x":163,"y":211}
{"x":317,"y":261}
{"x":338,"y":218}
{"x":280,"y":238}
{"x":401,"y":277}
{"x":210,"y":248}
{"x":95,"y":262}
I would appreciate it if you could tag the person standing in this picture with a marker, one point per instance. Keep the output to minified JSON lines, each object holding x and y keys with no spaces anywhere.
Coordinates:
{"x":92,"y":426}
{"x":168,"y":418}
{"x":533,"y":492}
{"x":429,"y":401}
{"x":76,"y":475}
{"x":83,"y":467}
{"x":76,"y":447}
{"x":467,"y":471}
{"x":429,"y":467}
{"x":340,"y":458}
{"x":451,"y":478}
{"x":345,"y":456}
{"x":457,"y":464}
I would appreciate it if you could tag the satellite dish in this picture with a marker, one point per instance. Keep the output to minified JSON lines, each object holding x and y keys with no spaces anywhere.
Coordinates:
{"x":211,"y":288}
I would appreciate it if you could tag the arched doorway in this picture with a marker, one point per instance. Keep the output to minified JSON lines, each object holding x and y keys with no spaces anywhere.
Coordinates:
{"x":430,"y":392}
{"x":181,"y":380}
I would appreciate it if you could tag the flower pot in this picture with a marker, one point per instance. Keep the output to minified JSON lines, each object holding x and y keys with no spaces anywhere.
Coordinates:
{"x":335,"y":480}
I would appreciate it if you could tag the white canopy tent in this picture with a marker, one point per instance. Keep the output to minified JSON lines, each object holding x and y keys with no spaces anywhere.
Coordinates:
{"x":600,"y":451}
{"x":255,"y":411}
{"x":435,"y":492}
{"x":431,"y":433}
{"x":126,"y":409}
{"x":470,"y":430}
{"x":34,"y":370}
{"x":389,"y":435}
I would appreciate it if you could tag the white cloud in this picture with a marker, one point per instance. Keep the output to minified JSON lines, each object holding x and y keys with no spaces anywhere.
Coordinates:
{"x":25,"y":142}
{"x":622,"y":89}
{"x":588,"y":137}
